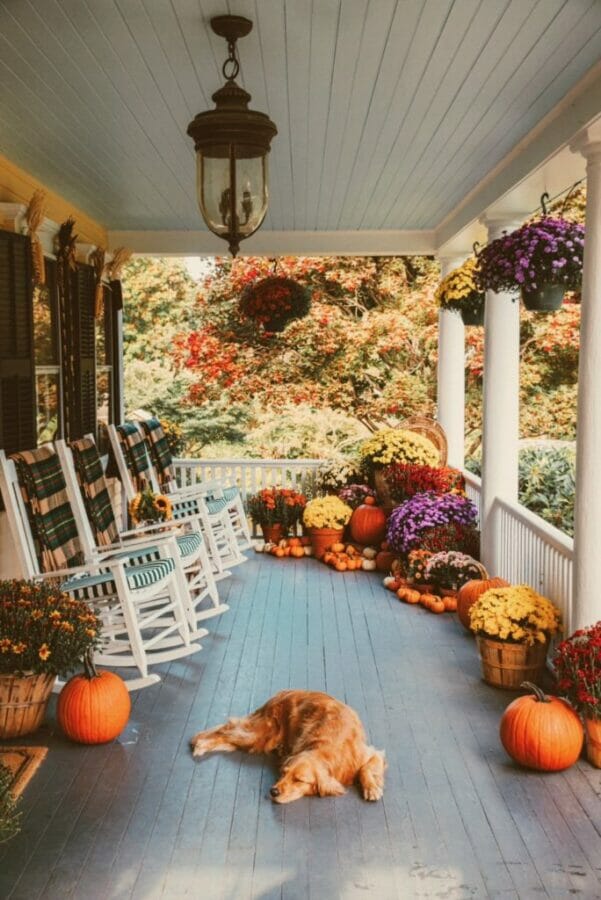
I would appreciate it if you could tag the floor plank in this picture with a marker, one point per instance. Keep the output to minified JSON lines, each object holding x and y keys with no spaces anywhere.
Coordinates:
{"x":140,"y":819}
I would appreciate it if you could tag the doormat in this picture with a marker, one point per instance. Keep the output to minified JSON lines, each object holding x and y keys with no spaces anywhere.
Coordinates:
{"x":23,"y":762}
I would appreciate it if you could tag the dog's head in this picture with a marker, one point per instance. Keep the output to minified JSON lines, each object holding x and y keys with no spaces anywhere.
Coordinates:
{"x":304,"y":775}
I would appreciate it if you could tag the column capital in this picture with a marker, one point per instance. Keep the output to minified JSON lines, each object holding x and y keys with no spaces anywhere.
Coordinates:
{"x":450,"y":261}
{"x":588,"y":143}
{"x":497,"y":223}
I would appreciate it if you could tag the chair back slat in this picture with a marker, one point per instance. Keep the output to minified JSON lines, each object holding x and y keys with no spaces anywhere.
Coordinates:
{"x":50,"y":514}
{"x":160,"y":453}
{"x":18,"y":518}
{"x":89,"y":492}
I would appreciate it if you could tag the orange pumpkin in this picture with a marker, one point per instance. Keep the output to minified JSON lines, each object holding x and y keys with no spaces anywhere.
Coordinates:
{"x":337,"y":548}
{"x":427,"y":599}
{"x":436,"y":605}
{"x":341,"y":566}
{"x":369,"y":501}
{"x":279,"y":552}
{"x":450,"y":604}
{"x":297,"y":552}
{"x":412,"y":597}
{"x":384,"y":560}
{"x":541,"y":732}
{"x":368,"y":524}
{"x":294,"y":542}
{"x":305,"y":541}
{"x":94,"y":707}
{"x":470,"y":592}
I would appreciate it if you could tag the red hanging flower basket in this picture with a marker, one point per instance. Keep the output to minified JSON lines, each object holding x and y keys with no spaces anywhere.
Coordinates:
{"x":275,"y":301}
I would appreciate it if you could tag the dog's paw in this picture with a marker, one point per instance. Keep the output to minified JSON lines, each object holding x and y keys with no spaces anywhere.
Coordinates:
{"x":197,"y":746}
{"x":373,"y":792}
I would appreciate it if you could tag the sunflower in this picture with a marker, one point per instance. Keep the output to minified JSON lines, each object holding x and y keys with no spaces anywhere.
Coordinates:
{"x":163,"y":505}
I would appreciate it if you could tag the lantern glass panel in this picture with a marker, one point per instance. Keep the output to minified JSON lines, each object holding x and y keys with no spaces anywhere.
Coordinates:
{"x":214,"y":191}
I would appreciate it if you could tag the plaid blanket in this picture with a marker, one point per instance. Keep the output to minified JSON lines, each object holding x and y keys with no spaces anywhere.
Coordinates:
{"x":94,"y":489}
{"x":45,"y":494}
{"x":133,"y":445}
{"x":160,"y":453}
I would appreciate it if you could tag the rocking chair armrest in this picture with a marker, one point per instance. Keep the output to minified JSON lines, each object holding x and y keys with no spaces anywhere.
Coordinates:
{"x":133,"y":548}
{"x":192,"y":519}
{"x":170,"y":525}
{"x":85,"y":569}
{"x":204,"y":488}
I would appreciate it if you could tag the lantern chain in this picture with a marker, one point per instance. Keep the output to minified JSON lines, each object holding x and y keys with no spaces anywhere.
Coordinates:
{"x":233,"y":61}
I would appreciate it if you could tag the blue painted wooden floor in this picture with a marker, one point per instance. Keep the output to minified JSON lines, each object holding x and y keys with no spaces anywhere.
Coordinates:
{"x":140,"y":819}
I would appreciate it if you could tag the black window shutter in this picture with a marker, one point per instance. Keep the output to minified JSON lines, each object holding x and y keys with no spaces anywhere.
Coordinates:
{"x":83,"y":413}
{"x":17,"y":372}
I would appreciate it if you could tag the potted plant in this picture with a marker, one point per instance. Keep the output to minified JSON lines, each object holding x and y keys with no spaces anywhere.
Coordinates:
{"x":431,"y":515}
{"x":542,"y":259}
{"x":325,"y":517}
{"x":43,"y":633}
{"x":513,"y":627}
{"x":354,"y":495}
{"x":460,"y":292}
{"x":394,"y":445}
{"x":577,"y":664}
{"x":404,"y":480}
{"x":334,"y":475}
{"x":415,"y":570}
{"x":275,"y":301}
{"x":276,"y":510}
{"x":147,"y":506}
{"x":450,"y":570}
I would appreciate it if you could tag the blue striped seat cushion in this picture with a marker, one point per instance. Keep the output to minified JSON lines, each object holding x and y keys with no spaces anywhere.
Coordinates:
{"x":189,"y":544}
{"x":216,"y":506}
{"x":103,"y":585}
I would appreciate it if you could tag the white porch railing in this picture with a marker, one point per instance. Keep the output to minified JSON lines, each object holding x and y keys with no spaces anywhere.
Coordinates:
{"x":532,"y":551}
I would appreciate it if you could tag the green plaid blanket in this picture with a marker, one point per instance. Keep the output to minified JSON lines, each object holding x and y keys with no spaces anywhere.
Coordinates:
{"x":45,"y":494}
{"x":133,"y":445}
{"x":94,"y":489}
{"x":160,"y":453}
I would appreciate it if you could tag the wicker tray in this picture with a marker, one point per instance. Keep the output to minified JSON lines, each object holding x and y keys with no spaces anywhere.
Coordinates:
{"x":431,"y":430}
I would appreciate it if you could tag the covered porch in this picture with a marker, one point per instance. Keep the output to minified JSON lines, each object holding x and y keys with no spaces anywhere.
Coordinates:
{"x":139,"y":818}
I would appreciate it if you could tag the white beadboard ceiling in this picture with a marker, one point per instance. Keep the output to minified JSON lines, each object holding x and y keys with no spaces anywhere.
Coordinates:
{"x":389,"y":111}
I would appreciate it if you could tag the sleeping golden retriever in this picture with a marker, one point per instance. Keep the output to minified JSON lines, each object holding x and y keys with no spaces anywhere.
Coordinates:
{"x":320,"y":740}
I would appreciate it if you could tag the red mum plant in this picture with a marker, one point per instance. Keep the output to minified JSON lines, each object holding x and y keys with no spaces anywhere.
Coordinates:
{"x":578,"y":668}
{"x":404,"y":480}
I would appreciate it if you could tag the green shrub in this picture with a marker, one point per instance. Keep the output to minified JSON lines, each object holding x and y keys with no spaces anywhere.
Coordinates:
{"x":547,"y":484}
{"x":9,"y":815}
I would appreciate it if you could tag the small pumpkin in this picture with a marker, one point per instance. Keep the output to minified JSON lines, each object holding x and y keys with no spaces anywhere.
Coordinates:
{"x":370,"y":552}
{"x":368,"y":524}
{"x":470,"y":592}
{"x":279,"y":552}
{"x":340,"y":566}
{"x":369,"y":501}
{"x":426,"y":599}
{"x":368,"y":565}
{"x":541,"y":732}
{"x":384,"y":560}
{"x":260,"y":547}
{"x":411,"y":596}
{"x":294,"y":542}
{"x":437,"y":605}
{"x":450,"y":603}
{"x":297,"y":552}
{"x":307,"y":550}
{"x":93,"y":707}
{"x":337,"y":548}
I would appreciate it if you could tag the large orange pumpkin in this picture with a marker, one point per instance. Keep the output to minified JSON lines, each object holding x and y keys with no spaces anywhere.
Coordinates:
{"x":470,"y":592}
{"x":93,"y":707}
{"x":368,"y":524}
{"x":541,"y":732}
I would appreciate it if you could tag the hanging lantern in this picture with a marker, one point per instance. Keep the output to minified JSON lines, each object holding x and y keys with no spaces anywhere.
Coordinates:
{"x":232,"y":145}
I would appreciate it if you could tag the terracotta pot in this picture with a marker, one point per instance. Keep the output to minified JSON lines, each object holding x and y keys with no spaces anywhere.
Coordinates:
{"x":323,"y":538}
{"x":592,"y":728}
{"x":23,"y":702}
{"x":272,"y":533}
{"x":507,"y":665}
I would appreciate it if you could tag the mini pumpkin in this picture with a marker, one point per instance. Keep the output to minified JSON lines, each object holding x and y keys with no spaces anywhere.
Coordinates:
{"x":437,"y":605}
{"x":93,"y":707}
{"x":297,"y":551}
{"x":450,"y":603}
{"x":294,"y":542}
{"x":541,"y":732}
{"x":368,"y":565}
{"x":337,"y":548}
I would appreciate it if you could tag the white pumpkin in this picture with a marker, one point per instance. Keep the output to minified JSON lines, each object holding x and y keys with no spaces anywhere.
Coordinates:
{"x":260,"y":547}
{"x":308,"y":551}
{"x":388,"y":581}
{"x":370,"y":553}
{"x":368,"y":565}
{"x":283,"y":543}
{"x":268,"y":546}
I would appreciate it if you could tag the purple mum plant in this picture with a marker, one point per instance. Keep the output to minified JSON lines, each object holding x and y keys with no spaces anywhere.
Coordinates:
{"x":544,"y":252}
{"x":354,"y":494}
{"x":410,"y":521}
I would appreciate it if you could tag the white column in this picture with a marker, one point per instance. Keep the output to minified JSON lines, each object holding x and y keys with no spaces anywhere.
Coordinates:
{"x":586,"y":609}
{"x":501,"y":402}
{"x":451,"y":373}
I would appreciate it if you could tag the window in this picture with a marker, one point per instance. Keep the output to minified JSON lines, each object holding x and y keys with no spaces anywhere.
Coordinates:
{"x":49,"y":419}
{"x":104,"y":371}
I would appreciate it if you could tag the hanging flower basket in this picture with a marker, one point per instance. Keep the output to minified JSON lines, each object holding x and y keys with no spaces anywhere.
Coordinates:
{"x":459,"y":292}
{"x":542,"y":260}
{"x":275,"y":301}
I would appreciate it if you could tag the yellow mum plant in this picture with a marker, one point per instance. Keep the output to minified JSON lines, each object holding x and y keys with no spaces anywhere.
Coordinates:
{"x":516,"y":614}
{"x":326,"y":512}
{"x":397,"y":445}
{"x":459,"y":290}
